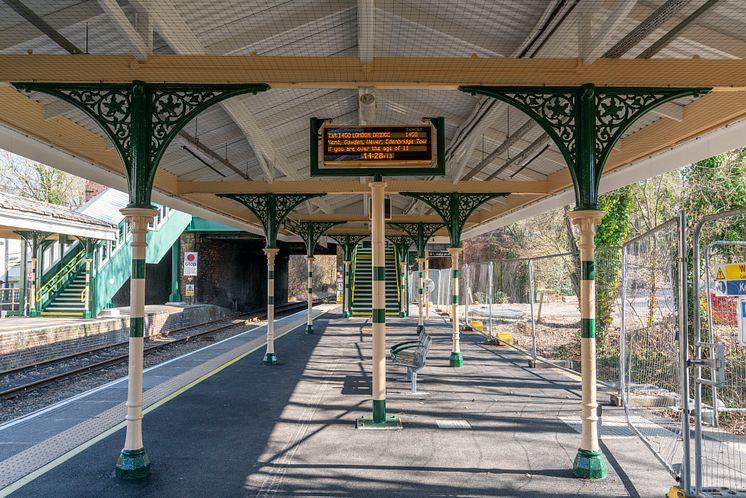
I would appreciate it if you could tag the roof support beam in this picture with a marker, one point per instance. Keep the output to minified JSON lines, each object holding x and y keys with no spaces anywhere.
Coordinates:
{"x":140,"y":40}
{"x":355,"y":187}
{"x":437,"y":73}
{"x":22,"y":10}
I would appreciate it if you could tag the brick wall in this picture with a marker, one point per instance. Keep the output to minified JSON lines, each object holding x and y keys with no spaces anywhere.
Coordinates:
{"x":92,"y":189}
{"x":27,"y":347}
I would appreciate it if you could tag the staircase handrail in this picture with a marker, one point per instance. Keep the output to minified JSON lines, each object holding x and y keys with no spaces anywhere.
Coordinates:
{"x":63,"y":276}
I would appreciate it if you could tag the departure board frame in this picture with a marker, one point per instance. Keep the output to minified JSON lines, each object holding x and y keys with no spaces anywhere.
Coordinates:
{"x":434,"y":165}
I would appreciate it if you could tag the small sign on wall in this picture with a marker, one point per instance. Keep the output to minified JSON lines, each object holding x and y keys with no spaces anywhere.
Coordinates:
{"x":191,"y":260}
{"x":189,"y":290}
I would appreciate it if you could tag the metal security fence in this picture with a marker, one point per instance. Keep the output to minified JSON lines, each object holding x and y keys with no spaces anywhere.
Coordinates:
{"x":719,"y":373}
{"x":534,"y":301}
{"x":651,"y":349}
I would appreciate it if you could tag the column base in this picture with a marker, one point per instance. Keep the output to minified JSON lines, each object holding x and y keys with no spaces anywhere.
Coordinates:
{"x":133,"y":464}
{"x":590,"y":465}
{"x":402,"y":314}
{"x":175,"y":298}
{"x":33,"y":313}
{"x":390,"y":422}
{"x":87,"y":315}
{"x":456,"y":360}
{"x":270,"y":359}
{"x":346,"y":314}
{"x":309,"y":328}
{"x":420,"y":329}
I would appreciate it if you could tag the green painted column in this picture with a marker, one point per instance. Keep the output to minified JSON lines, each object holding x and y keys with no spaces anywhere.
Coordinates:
{"x":456,"y":359}
{"x":88,"y":300}
{"x":270,"y":358}
{"x":309,"y":323}
{"x":23,"y":279}
{"x":33,"y":312}
{"x":426,"y":295}
{"x":133,"y":462}
{"x":402,"y":288}
{"x":175,"y":296}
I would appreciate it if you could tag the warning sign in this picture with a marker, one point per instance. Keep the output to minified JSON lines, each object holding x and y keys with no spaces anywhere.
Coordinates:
{"x":191,"y":259}
{"x":189,"y":290}
{"x":735,"y":271}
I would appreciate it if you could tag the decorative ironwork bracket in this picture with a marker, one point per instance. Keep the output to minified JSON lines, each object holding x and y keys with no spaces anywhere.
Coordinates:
{"x":420,"y":233}
{"x":455,"y":208}
{"x":310,"y":231}
{"x":141,"y":119}
{"x":402,"y":243}
{"x":270,"y":209}
{"x":585,"y":122}
{"x":348,"y":243}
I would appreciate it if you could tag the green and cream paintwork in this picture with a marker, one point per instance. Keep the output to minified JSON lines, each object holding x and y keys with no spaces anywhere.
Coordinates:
{"x":589,"y":462}
{"x":402,"y":288}
{"x":427,"y":277}
{"x":33,"y":312}
{"x":420,"y":296}
{"x":346,"y":289}
{"x":456,"y":359}
{"x":270,"y":358}
{"x":378,"y":243}
{"x":133,"y":461}
{"x":309,"y":264}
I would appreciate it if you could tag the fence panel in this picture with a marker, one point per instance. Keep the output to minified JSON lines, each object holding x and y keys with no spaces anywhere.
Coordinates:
{"x":651,"y":353}
{"x":721,"y":425}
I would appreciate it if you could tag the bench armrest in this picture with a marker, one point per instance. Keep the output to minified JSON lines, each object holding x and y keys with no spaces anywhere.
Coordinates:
{"x":395,"y":350}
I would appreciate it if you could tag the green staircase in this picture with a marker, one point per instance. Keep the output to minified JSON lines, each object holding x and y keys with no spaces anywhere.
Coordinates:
{"x":61,"y":292}
{"x":362,"y":282}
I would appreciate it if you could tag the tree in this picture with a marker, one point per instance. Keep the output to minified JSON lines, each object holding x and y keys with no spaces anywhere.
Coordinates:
{"x":38,"y":181}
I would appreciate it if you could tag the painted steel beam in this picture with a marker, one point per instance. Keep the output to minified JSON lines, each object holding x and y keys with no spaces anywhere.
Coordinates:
{"x":441,"y":73}
{"x":355,"y":187}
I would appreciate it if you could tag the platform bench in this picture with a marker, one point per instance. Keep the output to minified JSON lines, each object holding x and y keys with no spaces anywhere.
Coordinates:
{"x":413,"y":355}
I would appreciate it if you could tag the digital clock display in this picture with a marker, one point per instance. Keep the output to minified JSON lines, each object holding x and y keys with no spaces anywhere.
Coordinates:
{"x":377,"y":145}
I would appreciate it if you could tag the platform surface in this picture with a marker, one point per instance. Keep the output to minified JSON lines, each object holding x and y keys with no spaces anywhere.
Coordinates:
{"x":491,"y":428}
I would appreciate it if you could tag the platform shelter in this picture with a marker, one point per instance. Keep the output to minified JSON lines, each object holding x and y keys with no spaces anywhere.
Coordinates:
{"x":253,"y":114}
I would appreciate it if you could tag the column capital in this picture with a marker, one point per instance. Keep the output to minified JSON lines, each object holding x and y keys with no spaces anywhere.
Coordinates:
{"x":377,"y":185}
{"x":310,"y":258}
{"x":593,"y":216}
{"x":138,"y":216}
{"x":455,"y":251}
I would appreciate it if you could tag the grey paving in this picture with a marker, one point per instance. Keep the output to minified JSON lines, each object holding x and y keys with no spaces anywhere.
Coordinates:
{"x":492,"y":428}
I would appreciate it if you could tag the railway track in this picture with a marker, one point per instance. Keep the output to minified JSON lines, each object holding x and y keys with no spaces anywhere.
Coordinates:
{"x":23,"y":379}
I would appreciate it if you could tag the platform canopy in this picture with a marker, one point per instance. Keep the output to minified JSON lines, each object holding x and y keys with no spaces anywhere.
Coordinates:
{"x":374,"y":62}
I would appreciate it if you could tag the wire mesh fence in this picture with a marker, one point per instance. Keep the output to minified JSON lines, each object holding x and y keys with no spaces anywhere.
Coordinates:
{"x":534,"y":301}
{"x":651,"y":352}
{"x":720,"y":383}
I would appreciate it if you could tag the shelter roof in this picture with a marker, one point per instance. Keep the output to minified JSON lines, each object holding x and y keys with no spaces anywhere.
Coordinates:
{"x":321,"y":56}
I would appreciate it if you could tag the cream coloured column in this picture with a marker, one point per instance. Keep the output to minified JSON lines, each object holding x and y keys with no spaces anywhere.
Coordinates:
{"x":270,"y":358}
{"x":420,"y":297}
{"x":456,"y":359}
{"x":589,"y":462}
{"x":378,"y":243}
{"x":346,"y":289}
{"x":133,"y":462}
{"x":427,"y":277}
{"x":309,"y":323}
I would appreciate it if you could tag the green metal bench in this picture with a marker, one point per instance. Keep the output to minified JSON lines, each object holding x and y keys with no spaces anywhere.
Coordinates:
{"x":413,"y":355}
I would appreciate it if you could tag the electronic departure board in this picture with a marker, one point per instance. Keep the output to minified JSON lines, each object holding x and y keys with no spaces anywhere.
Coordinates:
{"x":377,"y":150}
{"x":377,"y":145}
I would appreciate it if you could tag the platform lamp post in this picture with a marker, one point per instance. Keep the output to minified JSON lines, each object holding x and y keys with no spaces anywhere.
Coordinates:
{"x":310,"y":232}
{"x":35,"y":240}
{"x":402,"y":243}
{"x":271,"y":210}
{"x":585,"y":123}
{"x":421,"y":233}
{"x":379,"y":420}
{"x":455,"y":208}
{"x":141,"y":119}
{"x":348,"y":243}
